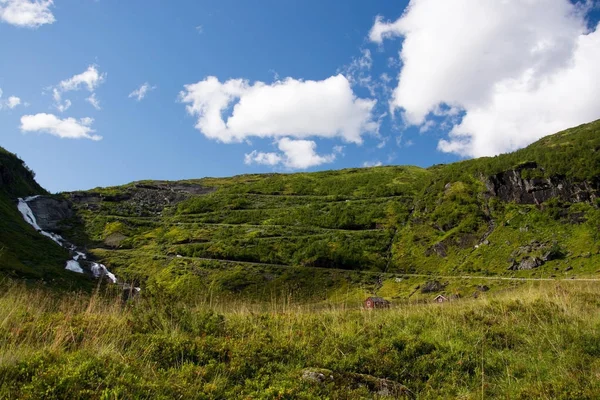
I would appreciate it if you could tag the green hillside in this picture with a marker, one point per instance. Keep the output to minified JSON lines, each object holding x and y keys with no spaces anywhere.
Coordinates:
{"x":356,"y":231}
{"x":24,"y":253}
{"x":252,"y":286}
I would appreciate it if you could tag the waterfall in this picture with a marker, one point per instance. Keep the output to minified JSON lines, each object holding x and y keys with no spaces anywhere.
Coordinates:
{"x":98,"y":270}
{"x":28,"y":216}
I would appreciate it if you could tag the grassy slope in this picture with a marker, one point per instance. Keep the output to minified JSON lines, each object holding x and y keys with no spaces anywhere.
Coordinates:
{"x":461,"y":209}
{"x":540,"y":341}
{"x":384,"y":219}
{"x":24,"y":253}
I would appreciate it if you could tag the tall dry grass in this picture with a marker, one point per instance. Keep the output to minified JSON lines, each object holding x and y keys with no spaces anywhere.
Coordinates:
{"x":540,"y":341}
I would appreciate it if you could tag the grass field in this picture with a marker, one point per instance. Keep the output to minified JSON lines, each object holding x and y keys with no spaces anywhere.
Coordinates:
{"x":540,"y":340}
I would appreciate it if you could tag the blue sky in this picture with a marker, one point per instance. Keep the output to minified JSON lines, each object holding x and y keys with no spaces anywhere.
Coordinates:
{"x":452,"y":96}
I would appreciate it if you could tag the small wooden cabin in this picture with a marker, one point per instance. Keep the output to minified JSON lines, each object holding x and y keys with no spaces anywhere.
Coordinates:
{"x":440,"y":298}
{"x":376,"y":302}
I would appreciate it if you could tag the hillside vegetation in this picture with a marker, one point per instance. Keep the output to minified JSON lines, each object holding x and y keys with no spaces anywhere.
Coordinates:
{"x":252,"y":286}
{"x":24,"y":253}
{"x":357,"y":231}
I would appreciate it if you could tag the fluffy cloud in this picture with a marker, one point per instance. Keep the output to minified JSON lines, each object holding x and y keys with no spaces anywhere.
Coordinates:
{"x":68,"y":128}
{"x":301,"y":154}
{"x":295,"y":154}
{"x":291,"y":107}
{"x":12,"y":102}
{"x":517,"y":70}
{"x":90,"y":79}
{"x":258,"y":157}
{"x":26,"y":13}
{"x":141,"y":92}
{"x":9,"y":103}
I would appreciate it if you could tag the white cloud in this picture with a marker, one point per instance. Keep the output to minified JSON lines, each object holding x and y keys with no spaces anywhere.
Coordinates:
{"x":290,"y":107}
{"x":10,"y":103}
{"x":200,"y":29}
{"x":60,"y":105}
{"x":93,"y":100}
{"x":26,"y":13}
{"x":141,"y":92}
{"x":295,"y":154}
{"x":339,"y":149}
{"x":90,"y":79}
{"x":358,"y":72}
{"x":258,"y":157}
{"x":68,"y":128}
{"x":426,"y":126}
{"x":368,"y":164}
{"x":301,"y":154}
{"x":517,"y":70}
{"x":385,"y":30}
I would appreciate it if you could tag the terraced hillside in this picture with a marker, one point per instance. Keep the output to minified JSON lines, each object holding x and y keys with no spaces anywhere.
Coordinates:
{"x":529,"y":214}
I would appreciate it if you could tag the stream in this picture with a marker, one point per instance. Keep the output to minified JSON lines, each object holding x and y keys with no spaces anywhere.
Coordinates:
{"x":97,"y":269}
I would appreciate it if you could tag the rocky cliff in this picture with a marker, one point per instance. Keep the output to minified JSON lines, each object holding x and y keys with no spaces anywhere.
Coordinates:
{"x":50,"y":212}
{"x":512,"y":186}
{"x":140,"y":199}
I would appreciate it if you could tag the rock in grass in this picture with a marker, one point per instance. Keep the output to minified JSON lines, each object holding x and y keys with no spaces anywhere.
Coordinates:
{"x":530,"y":263}
{"x":377,"y":386}
{"x":526,"y":263}
{"x":316,"y":376}
{"x":432,"y":287}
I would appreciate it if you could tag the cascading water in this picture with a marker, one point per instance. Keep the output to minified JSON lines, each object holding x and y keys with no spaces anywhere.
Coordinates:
{"x":98,"y":270}
{"x":30,"y":219}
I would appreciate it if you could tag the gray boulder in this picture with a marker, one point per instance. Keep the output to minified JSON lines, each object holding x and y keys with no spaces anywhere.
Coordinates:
{"x":432,"y":287}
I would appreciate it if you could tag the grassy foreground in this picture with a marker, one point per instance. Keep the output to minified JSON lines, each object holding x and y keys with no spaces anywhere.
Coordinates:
{"x":541,"y":340}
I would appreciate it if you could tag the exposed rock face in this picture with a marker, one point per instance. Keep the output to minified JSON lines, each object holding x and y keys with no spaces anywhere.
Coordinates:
{"x":49,"y":212}
{"x":533,"y":246}
{"x":526,"y":264}
{"x":142,"y":199}
{"x":511,"y":186}
{"x":438,"y":248}
{"x":432,"y":286}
